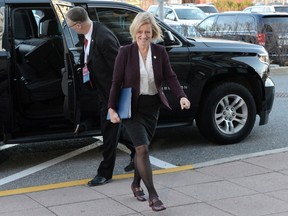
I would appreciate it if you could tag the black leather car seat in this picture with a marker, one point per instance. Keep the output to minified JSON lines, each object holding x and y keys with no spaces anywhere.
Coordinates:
{"x":41,"y":60}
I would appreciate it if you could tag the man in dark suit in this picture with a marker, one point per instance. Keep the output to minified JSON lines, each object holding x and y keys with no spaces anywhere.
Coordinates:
{"x":99,"y":52}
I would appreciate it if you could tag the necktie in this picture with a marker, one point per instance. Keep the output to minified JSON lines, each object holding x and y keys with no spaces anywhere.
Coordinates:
{"x":85,"y":42}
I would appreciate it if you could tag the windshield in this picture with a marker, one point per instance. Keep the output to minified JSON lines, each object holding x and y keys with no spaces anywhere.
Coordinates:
{"x":190,"y":14}
{"x":208,"y":9}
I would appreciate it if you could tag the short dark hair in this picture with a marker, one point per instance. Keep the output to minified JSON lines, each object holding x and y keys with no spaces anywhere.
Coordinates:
{"x":77,"y":14}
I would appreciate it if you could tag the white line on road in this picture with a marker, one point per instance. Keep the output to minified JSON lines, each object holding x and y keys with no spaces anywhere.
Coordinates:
{"x":42,"y":166}
{"x":153,"y":160}
{"x":47,"y":164}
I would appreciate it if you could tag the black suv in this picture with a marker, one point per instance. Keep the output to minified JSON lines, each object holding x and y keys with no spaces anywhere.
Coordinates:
{"x":268,"y":30}
{"x":227,"y":82}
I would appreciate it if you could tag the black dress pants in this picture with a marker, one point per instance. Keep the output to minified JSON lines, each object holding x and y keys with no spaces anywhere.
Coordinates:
{"x":110,"y":134}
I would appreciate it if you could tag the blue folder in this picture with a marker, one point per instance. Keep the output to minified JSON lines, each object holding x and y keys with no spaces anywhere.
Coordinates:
{"x":124,"y":104}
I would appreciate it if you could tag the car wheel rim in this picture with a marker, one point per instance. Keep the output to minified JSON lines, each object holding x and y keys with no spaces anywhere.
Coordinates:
{"x":231,"y":114}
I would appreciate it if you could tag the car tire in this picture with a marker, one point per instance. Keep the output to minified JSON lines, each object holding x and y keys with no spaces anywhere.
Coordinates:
{"x":228,"y":114}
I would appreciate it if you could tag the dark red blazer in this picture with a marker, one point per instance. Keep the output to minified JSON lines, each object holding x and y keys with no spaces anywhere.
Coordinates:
{"x":127,"y":74}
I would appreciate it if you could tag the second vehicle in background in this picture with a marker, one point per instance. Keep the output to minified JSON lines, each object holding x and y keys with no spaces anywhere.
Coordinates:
{"x":208,"y":9}
{"x":268,"y":30}
{"x":267,"y":9}
{"x":179,"y":14}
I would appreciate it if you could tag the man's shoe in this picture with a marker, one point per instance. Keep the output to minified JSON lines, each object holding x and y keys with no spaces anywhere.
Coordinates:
{"x":98,"y":180}
{"x":129,"y":167}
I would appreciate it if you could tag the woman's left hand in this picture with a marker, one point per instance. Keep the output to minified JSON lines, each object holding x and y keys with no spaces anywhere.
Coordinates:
{"x":184,"y":103}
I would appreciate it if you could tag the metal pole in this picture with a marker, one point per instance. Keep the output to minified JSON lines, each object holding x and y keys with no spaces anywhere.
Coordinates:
{"x":161,"y":3}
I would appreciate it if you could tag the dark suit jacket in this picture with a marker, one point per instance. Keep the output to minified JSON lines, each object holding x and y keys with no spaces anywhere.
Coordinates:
{"x":127,"y":74}
{"x":103,"y":51}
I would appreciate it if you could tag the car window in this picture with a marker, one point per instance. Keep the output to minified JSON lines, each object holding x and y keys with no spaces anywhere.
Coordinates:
{"x":208,"y":9}
{"x":282,"y":9}
{"x":275,"y":24}
{"x":246,"y":23}
{"x":207,"y":24}
{"x":170,"y":15}
{"x":226,"y":23}
{"x":119,"y":21}
{"x":189,"y":14}
{"x":186,"y":30}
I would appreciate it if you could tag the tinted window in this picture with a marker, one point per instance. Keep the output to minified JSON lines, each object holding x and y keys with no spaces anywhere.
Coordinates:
{"x":226,"y":23}
{"x":186,"y":30}
{"x":281,"y":9}
{"x":207,"y":24}
{"x":275,"y":24}
{"x":246,"y":23}
{"x":119,"y":21}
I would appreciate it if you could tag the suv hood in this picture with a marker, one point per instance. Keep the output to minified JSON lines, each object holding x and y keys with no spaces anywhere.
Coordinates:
{"x":228,"y":44}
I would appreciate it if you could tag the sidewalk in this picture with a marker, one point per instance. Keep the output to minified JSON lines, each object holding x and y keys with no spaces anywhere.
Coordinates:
{"x":246,"y":187}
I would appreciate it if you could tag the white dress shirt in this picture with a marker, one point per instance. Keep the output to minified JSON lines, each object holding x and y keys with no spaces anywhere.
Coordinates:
{"x":147,"y":82}
{"x":88,"y":38}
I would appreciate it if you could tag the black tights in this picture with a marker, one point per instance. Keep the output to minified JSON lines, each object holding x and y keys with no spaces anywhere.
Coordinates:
{"x":143,"y":170}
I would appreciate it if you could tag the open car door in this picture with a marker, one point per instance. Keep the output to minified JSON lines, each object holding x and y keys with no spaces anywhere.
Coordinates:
{"x":71,"y":82}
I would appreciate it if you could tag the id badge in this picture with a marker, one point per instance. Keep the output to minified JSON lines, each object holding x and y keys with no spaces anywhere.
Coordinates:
{"x":86,"y":73}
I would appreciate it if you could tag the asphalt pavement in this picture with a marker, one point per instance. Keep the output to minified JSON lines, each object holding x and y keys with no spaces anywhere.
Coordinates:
{"x":248,"y":185}
{"x":255,"y":185}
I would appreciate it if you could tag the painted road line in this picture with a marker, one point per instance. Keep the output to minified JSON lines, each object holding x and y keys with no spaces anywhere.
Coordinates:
{"x":159,"y":163}
{"x":84,"y":182}
{"x":47,"y":164}
{"x":154,"y":161}
{"x":3,"y":147}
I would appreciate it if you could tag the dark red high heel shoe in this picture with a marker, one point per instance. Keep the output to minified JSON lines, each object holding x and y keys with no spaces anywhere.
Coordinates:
{"x":138,"y":193}
{"x":156,"y":204}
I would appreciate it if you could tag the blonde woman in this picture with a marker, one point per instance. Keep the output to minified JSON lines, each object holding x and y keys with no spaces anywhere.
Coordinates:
{"x":143,"y":66}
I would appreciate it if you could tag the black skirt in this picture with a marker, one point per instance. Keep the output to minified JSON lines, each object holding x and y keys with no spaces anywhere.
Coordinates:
{"x":141,"y":127}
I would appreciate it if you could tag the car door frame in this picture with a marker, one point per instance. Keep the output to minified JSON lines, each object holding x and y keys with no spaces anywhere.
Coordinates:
{"x":71,"y":82}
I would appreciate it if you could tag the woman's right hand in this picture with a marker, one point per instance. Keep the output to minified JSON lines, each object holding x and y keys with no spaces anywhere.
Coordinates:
{"x":114,"y":118}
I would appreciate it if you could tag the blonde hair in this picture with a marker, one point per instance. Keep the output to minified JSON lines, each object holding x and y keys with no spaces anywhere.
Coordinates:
{"x":142,"y":19}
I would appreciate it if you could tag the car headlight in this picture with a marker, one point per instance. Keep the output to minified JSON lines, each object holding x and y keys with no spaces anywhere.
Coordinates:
{"x":264,"y":58}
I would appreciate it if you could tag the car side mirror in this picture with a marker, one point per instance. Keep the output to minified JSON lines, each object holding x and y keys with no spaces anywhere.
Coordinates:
{"x":168,"y":37}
